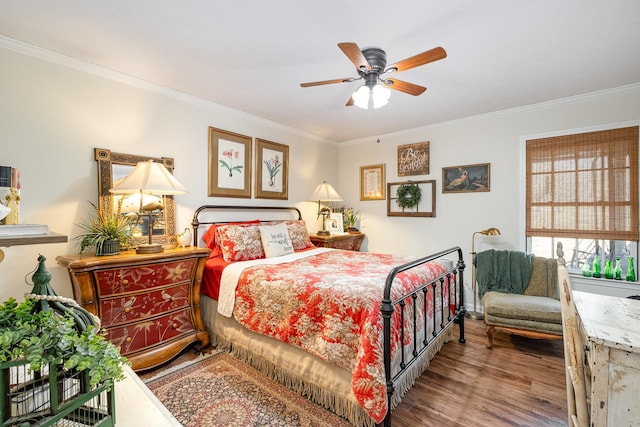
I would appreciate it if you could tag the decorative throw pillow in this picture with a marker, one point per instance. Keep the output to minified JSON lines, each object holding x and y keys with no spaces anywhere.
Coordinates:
{"x":298,"y":233}
{"x":212,"y":240}
{"x":240,"y":242}
{"x":275,"y":240}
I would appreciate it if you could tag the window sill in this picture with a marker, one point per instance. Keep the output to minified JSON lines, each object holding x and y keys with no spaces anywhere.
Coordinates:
{"x":617,"y":288}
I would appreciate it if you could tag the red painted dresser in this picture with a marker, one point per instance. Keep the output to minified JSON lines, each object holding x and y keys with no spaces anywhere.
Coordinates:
{"x":148,"y":304}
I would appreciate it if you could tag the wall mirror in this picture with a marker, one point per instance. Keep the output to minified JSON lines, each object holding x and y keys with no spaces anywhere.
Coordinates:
{"x":113,"y":166}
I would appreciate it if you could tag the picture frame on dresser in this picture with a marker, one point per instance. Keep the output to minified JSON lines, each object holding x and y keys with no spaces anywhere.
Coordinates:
{"x":229,"y":164}
{"x":335,"y":223}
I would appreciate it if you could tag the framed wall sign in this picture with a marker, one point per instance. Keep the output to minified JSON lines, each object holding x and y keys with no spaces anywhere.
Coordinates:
{"x":372,"y":182}
{"x":272,"y":170}
{"x":466,"y":178}
{"x":413,"y":159}
{"x":229,"y":164}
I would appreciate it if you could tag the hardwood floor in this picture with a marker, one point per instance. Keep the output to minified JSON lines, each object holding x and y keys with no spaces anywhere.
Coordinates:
{"x":520,"y":382}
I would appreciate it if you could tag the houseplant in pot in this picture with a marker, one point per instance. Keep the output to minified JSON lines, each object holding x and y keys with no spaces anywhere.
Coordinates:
{"x":61,"y":366}
{"x":106,"y":231}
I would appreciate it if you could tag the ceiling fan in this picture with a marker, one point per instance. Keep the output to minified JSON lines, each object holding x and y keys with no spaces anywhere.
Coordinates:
{"x":371,"y":64}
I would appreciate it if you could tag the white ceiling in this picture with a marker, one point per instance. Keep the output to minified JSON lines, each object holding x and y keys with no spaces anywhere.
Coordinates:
{"x":251,"y":55}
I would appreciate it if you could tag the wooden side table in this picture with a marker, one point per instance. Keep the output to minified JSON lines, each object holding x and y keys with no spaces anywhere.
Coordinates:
{"x":149,"y":304}
{"x":350,"y":242}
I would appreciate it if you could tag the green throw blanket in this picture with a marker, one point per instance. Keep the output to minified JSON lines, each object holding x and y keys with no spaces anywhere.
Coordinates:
{"x":502,"y":271}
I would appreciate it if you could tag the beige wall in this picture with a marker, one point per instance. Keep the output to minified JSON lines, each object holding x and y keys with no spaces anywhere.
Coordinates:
{"x":53,"y":114}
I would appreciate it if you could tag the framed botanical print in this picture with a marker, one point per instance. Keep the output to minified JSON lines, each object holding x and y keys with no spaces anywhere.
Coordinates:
{"x":372,"y":182}
{"x":229,"y":164}
{"x":272,"y":170}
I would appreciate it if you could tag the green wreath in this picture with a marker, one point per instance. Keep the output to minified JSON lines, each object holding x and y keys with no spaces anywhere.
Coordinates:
{"x":409,"y":195}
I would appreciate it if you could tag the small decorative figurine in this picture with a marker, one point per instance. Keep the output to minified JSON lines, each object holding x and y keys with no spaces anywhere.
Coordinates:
{"x":184,"y":239}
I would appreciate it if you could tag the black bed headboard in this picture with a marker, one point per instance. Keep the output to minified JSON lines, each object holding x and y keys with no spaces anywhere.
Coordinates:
{"x":221,"y":214}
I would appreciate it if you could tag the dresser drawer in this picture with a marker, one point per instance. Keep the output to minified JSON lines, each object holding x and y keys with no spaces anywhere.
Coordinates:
{"x":149,"y":304}
{"x":147,"y":333}
{"x":127,"y":308}
{"x":137,"y":278}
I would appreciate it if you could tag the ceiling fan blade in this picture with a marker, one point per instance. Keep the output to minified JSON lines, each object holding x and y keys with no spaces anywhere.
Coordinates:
{"x":349,"y":102}
{"x":417,"y":60}
{"x":406,"y":87}
{"x":327,"y":82}
{"x":355,"y":55}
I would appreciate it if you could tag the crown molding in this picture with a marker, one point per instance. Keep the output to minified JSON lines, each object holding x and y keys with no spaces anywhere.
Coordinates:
{"x":106,"y":73}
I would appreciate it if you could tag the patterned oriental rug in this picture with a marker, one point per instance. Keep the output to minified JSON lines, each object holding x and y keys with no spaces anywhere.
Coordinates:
{"x":223,"y":391}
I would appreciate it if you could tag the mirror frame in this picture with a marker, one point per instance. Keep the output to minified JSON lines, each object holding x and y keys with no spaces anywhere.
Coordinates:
{"x":106,"y":158}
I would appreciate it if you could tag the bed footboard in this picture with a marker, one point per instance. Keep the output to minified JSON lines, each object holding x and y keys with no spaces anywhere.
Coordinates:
{"x":424,"y":339}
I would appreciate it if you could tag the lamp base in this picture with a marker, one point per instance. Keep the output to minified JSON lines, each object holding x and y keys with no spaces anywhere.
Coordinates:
{"x":149,"y":248}
{"x":323,"y":233}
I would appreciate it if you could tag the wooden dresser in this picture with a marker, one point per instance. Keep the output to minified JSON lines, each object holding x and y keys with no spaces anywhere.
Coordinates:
{"x":350,"y":242}
{"x":149,"y":304}
{"x":610,"y":333}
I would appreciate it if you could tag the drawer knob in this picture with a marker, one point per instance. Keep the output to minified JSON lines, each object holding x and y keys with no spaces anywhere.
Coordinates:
{"x":125,"y":282}
{"x":127,"y":309}
{"x":127,"y":339}
{"x":174,"y":326}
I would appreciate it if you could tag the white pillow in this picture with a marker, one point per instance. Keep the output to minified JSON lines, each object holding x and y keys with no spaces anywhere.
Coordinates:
{"x":275,"y":240}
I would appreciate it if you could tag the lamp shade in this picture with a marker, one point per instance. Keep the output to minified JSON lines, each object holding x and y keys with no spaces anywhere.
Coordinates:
{"x":377,"y":96}
{"x":149,"y":178}
{"x":380,"y":96}
{"x":325,"y":193}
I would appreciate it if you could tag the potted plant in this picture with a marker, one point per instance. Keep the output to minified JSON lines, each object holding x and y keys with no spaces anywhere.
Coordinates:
{"x":350,"y":219}
{"x":48,"y":343}
{"x":107,"y":231}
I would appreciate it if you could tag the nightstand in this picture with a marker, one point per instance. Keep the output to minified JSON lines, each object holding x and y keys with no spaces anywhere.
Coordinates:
{"x":148,"y":304}
{"x":350,"y":242}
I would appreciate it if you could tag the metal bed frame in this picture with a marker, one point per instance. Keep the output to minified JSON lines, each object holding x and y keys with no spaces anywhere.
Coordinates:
{"x":453,"y":276}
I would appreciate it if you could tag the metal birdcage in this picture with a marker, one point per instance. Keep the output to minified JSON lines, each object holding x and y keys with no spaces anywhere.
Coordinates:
{"x":52,"y":395}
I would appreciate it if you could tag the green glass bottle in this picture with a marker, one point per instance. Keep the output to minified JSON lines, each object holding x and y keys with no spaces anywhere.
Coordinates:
{"x":608,"y":269}
{"x":586,"y":269}
{"x":617,"y":271}
{"x":596,"y":266}
{"x":631,"y":271}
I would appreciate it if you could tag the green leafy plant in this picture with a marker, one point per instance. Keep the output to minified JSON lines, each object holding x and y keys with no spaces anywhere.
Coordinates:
{"x":409,"y":195}
{"x":350,"y":218}
{"x":48,"y":337}
{"x":104,"y":226}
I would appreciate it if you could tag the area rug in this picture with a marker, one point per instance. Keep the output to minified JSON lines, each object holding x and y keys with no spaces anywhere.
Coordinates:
{"x":222,"y":391}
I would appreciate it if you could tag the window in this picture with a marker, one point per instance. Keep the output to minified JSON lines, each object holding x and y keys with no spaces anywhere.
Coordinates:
{"x":582,"y":191}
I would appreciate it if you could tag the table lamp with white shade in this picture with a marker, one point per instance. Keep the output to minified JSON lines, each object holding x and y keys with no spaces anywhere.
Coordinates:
{"x":149,"y":178}
{"x":324,"y":193}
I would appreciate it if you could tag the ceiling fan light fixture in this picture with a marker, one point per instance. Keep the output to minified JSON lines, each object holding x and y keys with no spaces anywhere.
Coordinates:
{"x":366,"y":98}
{"x":380,"y":95}
{"x":361,"y":97}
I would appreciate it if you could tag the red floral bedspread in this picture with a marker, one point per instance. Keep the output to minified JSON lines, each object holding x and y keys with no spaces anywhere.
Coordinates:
{"x":329,"y":305}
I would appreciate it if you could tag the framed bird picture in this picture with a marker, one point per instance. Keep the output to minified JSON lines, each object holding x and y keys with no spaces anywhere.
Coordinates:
{"x":466,"y":178}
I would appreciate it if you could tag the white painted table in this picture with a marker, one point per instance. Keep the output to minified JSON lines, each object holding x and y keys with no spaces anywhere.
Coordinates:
{"x":137,"y":406}
{"x":610,"y":328}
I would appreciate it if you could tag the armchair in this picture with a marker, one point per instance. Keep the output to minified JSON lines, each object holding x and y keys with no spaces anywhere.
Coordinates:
{"x":519,"y":294}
